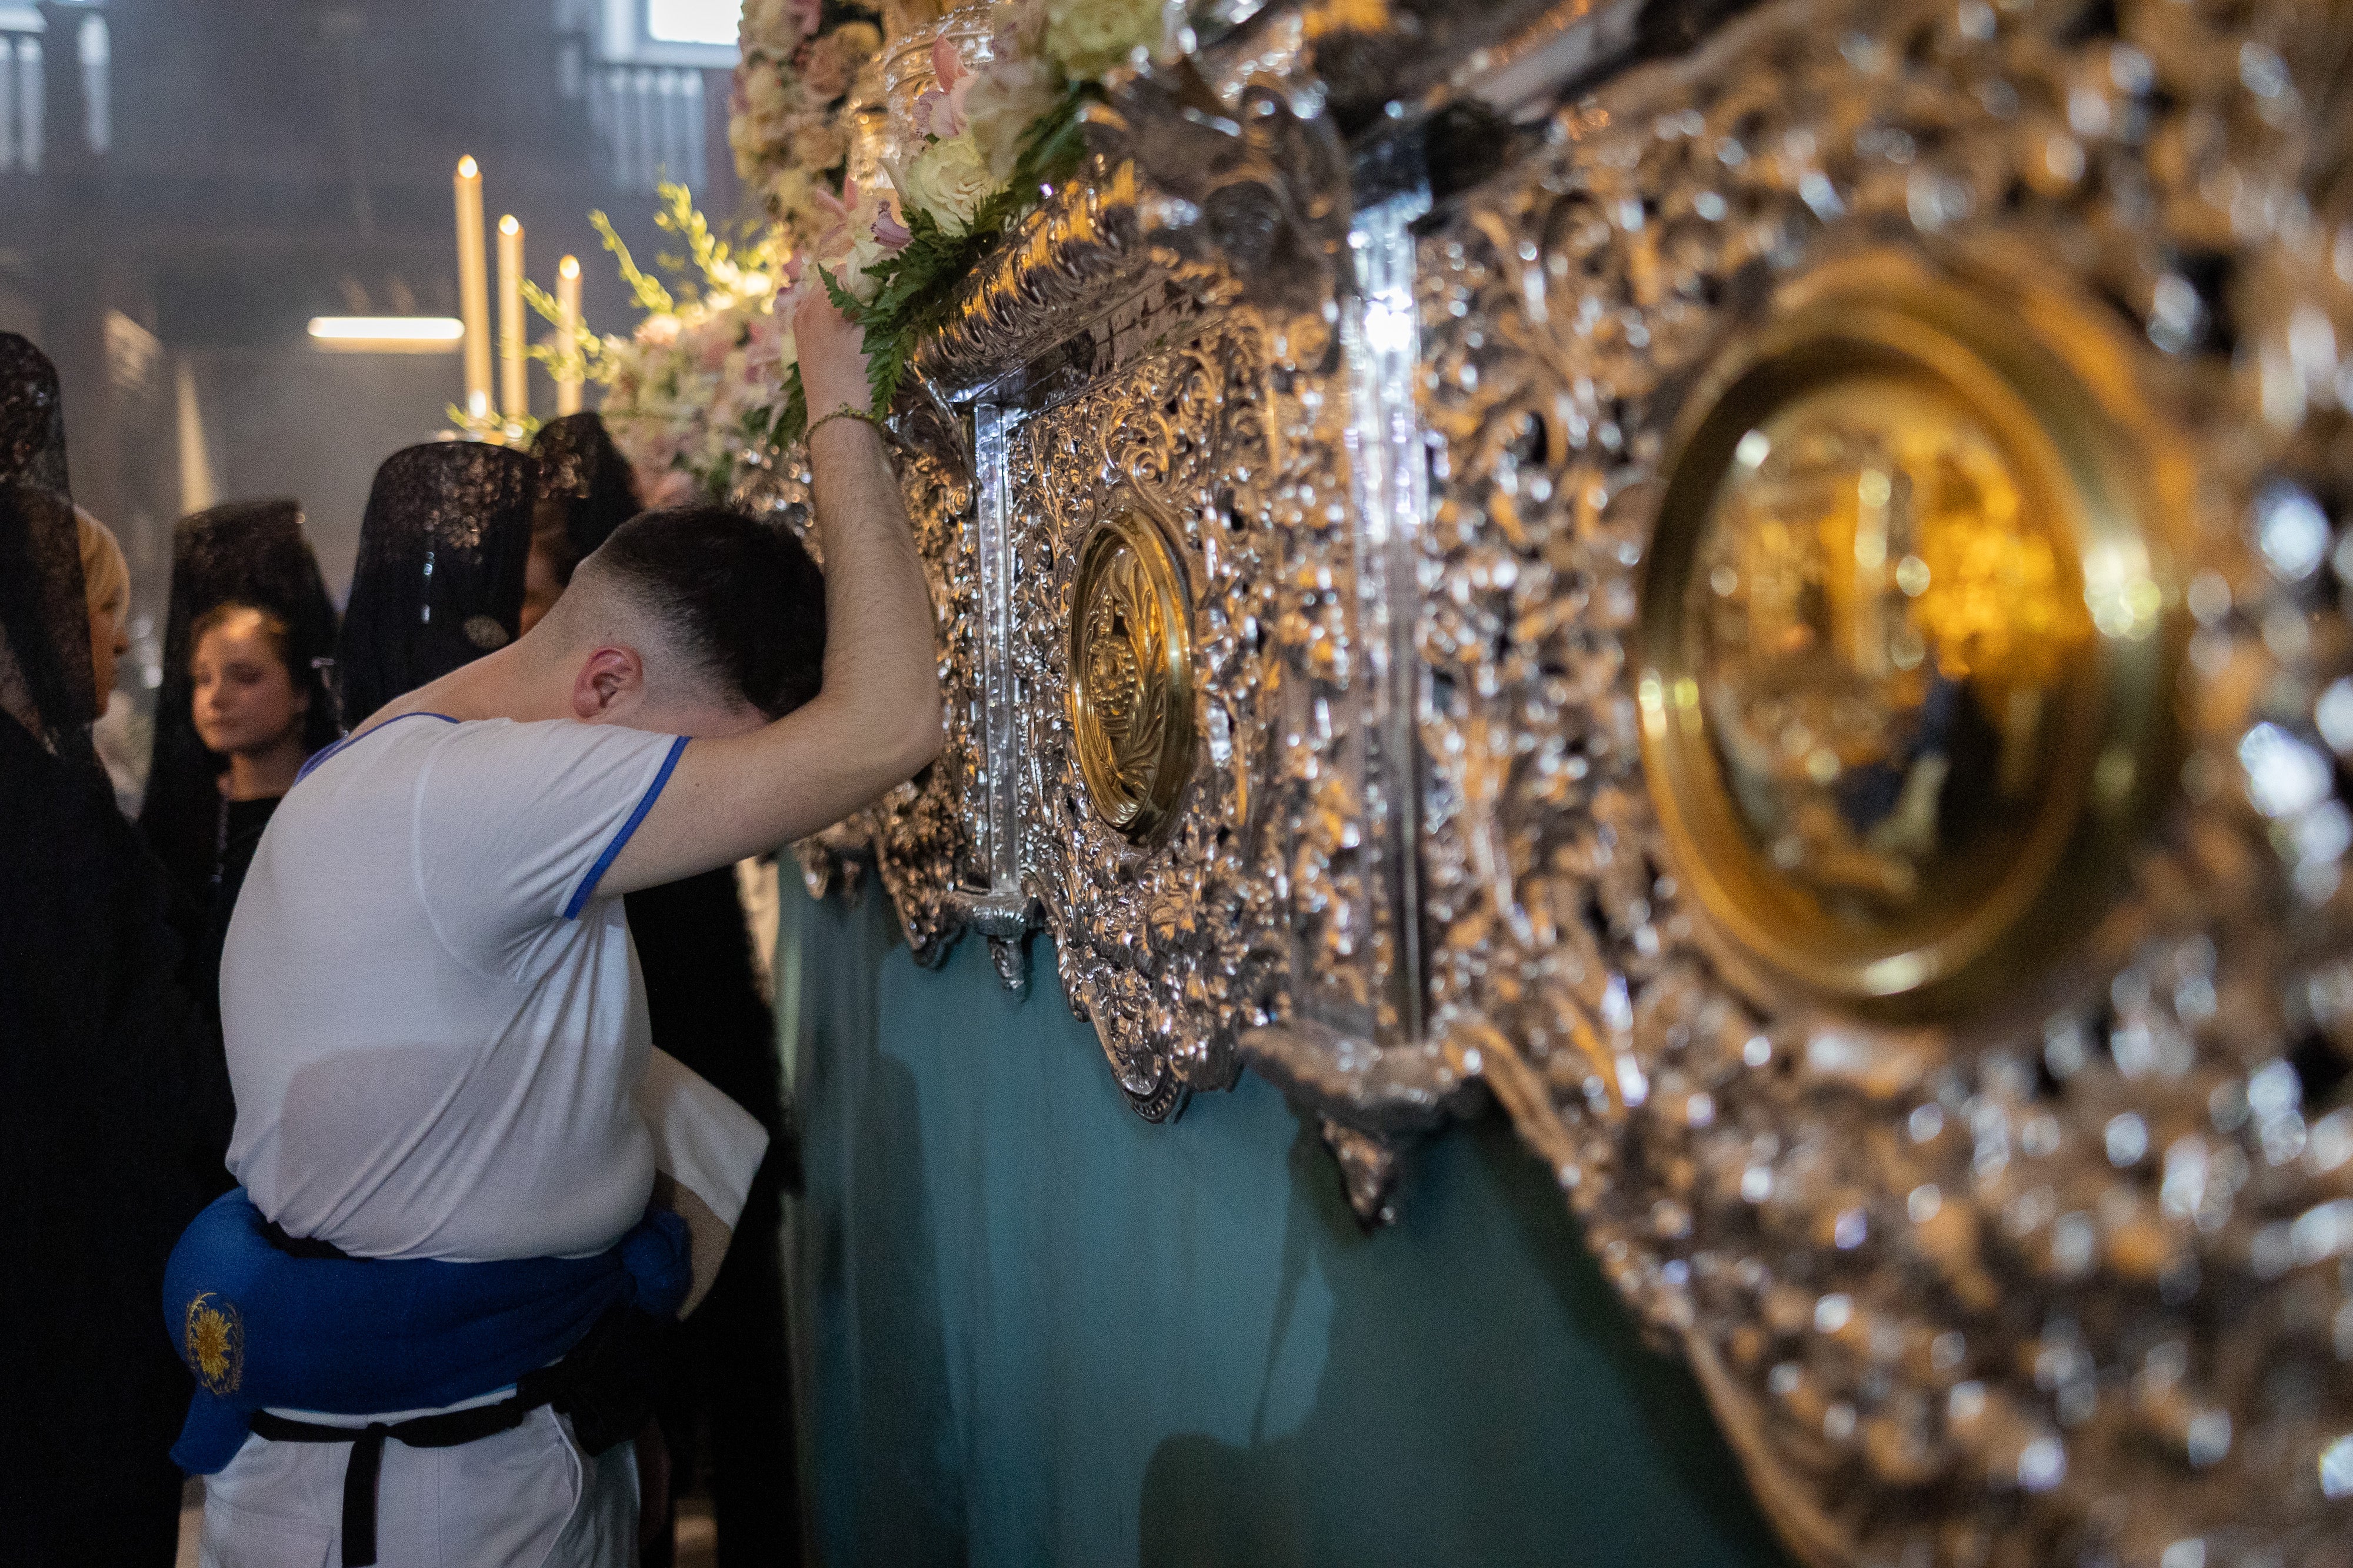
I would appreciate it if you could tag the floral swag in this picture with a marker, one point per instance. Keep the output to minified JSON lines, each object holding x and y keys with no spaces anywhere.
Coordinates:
{"x":708,"y":386}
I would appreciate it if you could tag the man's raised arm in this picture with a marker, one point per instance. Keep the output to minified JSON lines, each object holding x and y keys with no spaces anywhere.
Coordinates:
{"x":876,"y":720}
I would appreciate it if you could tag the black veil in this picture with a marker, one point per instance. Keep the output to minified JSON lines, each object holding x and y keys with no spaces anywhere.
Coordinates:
{"x":585,"y":489}
{"x":45,"y":681}
{"x":254,"y":552}
{"x":440,"y":574}
{"x":114,"y":1107}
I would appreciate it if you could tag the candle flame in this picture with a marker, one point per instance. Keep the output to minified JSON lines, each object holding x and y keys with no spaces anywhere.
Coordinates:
{"x":507,"y":224}
{"x":568,"y":267}
{"x":467,"y":168}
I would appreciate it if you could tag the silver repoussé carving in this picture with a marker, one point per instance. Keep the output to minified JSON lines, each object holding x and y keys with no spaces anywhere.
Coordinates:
{"x":2067,"y":1288}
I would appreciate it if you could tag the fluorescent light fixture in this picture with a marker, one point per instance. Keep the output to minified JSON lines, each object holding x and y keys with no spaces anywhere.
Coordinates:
{"x":388,"y":334}
{"x":710,"y":22}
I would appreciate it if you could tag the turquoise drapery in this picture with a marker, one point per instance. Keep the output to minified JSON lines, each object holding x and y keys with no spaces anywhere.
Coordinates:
{"x":1032,"y":1329}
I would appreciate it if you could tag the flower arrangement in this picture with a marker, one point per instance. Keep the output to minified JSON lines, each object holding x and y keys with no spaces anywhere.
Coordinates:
{"x":708,"y":381}
{"x":687,"y":394}
{"x":784,"y":123}
{"x":995,"y":137}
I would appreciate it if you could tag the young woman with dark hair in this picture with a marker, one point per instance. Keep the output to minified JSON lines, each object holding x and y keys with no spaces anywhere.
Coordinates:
{"x":251,"y":707}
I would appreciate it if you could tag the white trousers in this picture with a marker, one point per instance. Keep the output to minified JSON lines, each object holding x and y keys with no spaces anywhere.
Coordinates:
{"x":526,"y":1498}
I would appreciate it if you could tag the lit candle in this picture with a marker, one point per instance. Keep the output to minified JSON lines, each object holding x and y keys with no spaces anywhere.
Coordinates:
{"x":567,"y":311}
{"x":473,"y":286}
{"x":514,"y":392}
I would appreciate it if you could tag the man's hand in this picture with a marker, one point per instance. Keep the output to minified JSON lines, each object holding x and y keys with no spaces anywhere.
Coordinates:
{"x":832,"y":355}
{"x":707,"y":1236}
{"x":876,"y":720}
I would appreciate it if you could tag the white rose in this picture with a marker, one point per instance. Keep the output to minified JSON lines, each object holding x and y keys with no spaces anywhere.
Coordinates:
{"x":865,"y":251}
{"x":949,"y":180}
{"x":1007,"y":97}
{"x":1090,"y":36}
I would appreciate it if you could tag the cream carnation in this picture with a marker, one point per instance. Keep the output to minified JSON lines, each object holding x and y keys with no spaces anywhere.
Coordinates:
{"x":1090,"y":36}
{"x":868,"y":250}
{"x":949,"y":180}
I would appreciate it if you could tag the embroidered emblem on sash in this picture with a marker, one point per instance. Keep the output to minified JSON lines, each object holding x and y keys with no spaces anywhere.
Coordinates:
{"x":212,"y":1343}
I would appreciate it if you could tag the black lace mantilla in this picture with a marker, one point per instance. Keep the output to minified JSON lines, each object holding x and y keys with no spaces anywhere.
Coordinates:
{"x":440,"y":575}
{"x":45,"y":667}
{"x":585,"y":487}
{"x":253,"y":553}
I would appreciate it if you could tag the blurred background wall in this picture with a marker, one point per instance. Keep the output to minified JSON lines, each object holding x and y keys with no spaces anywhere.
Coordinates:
{"x":184,"y":186}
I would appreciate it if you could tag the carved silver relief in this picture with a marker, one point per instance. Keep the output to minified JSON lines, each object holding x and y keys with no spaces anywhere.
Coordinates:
{"x":1350,"y":1043}
{"x":925,"y":848}
{"x":1162,"y":926}
{"x":2055,"y":1270}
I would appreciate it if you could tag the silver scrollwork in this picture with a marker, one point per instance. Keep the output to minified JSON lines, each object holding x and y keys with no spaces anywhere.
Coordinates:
{"x":2057,"y":1275}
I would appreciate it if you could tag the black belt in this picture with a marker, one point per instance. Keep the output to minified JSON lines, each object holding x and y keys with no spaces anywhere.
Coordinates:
{"x":602,"y":1383}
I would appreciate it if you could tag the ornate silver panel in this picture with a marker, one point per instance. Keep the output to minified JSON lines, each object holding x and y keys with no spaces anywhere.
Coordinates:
{"x":925,"y":846}
{"x":1166,"y":945}
{"x":2061,"y":1277}
{"x":1350,"y":1042}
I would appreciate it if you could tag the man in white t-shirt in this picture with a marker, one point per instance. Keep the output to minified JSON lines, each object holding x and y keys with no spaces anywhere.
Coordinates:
{"x":434,"y":1026}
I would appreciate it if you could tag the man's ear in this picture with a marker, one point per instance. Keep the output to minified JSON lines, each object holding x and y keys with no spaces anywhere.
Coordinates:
{"x":607,"y":676}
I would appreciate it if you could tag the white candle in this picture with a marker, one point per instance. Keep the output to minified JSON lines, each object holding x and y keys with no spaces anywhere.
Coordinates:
{"x":514,"y":392}
{"x":473,"y":286}
{"x":567,"y":310}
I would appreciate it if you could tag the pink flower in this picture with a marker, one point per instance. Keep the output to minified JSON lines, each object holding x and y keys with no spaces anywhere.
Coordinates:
{"x":823,"y":67}
{"x":833,"y":242}
{"x":940,"y":110}
{"x":946,"y":64}
{"x":895,"y":235}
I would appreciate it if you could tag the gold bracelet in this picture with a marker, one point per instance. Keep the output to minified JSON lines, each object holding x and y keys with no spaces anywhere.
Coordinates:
{"x":844,"y":412}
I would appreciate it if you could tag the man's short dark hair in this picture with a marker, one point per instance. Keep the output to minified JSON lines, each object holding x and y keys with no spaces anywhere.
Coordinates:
{"x":741,"y":597}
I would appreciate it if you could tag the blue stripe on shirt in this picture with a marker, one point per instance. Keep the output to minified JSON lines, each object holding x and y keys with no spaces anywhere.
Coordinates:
{"x":604,"y":862}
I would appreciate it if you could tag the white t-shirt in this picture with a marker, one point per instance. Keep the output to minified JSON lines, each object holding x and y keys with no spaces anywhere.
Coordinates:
{"x":435,"y":1029}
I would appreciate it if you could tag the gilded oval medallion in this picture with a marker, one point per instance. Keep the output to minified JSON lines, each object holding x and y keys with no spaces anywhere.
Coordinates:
{"x":1132,"y":673}
{"x":1902,"y":689}
{"x":212,"y":1341}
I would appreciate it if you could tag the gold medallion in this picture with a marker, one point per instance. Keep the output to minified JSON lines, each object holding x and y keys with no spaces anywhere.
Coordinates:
{"x":1132,"y":673}
{"x":1904,"y":640}
{"x":212,"y":1339}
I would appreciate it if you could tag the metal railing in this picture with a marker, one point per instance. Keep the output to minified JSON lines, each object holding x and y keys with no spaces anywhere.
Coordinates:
{"x":23,"y":102}
{"x":25,"y":66}
{"x":650,"y":122}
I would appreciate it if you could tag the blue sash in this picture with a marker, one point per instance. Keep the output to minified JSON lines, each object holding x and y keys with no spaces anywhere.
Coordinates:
{"x":259,"y":1327}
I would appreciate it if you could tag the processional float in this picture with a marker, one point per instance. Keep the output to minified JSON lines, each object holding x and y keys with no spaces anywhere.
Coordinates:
{"x":1784,"y":624}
